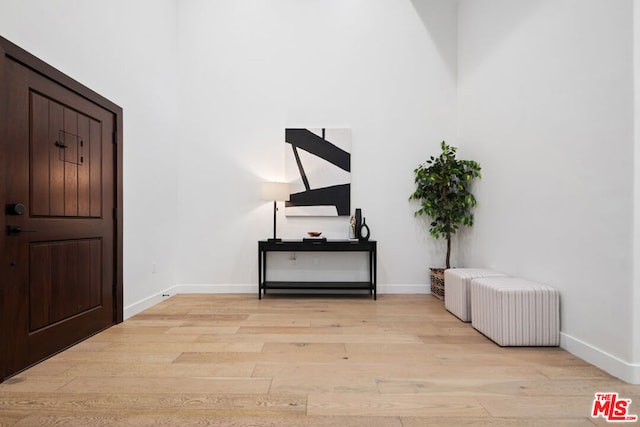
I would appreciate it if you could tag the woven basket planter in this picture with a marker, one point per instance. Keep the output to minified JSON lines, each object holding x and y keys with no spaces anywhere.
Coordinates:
{"x":437,"y":282}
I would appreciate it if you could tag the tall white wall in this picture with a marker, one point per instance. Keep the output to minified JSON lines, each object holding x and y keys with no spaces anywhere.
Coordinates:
{"x":126,"y":52}
{"x":546,"y":105}
{"x":251,"y":68}
{"x":635,"y":338}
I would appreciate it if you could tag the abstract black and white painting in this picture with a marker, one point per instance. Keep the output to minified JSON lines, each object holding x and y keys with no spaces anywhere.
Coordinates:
{"x":318,"y":169}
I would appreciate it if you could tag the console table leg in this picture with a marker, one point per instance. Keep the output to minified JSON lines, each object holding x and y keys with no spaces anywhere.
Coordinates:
{"x":260,"y":274}
{"x":374,"y":274}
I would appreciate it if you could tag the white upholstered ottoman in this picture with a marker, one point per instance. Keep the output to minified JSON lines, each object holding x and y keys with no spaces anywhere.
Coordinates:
{"x":456,"y":284}
{"x":516,"y":312}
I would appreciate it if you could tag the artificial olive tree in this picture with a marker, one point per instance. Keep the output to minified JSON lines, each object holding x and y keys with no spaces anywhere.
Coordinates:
{"x":442,"y":188}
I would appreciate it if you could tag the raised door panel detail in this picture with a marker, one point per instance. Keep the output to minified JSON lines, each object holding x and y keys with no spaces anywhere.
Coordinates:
{"x":65,"y":161}
{"x":65,"y":280}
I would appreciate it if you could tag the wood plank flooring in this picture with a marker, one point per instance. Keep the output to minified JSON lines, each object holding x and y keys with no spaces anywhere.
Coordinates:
{"x":234,"y":360}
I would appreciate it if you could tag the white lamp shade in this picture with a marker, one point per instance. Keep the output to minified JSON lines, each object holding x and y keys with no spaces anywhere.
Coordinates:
{"x":278,"y":191}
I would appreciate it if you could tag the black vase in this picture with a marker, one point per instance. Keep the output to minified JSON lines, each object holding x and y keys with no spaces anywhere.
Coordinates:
{"x":358,"y":222}
{"x":364,"y":231}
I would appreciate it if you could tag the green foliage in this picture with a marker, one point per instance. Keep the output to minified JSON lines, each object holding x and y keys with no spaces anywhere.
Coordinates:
{"x":442,"y":187}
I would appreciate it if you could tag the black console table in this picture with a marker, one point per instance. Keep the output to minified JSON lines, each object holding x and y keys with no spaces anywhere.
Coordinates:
{"x":308,"y":245}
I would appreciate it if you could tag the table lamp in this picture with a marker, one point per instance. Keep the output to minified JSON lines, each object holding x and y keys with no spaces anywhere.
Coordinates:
{"x":276,"y":191}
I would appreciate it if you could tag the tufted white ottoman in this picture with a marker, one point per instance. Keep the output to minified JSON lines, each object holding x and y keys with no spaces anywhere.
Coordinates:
{"x":456,"y":283}
{"x":516,"y":312}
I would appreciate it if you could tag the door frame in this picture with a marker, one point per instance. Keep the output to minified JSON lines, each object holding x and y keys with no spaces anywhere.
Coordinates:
{"x":11,"y":52}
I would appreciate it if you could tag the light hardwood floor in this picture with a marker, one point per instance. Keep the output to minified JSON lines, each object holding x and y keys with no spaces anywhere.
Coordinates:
{"x":304,"y":361}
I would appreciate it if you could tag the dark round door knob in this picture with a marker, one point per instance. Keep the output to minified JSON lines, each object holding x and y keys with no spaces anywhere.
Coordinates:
{"x":16,"y":209}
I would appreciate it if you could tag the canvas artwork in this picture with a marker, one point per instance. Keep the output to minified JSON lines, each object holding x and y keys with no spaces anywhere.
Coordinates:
{"x":318,"y":169}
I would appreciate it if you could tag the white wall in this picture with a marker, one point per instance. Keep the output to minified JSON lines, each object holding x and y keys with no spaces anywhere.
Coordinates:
{"x":635,"y":338}
{"x":546,"y":105}
{"x":251,"y":68}
{"x":126,"y":52}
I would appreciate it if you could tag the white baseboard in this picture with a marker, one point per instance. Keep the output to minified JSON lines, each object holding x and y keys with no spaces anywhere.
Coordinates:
{"x":185,"y":288}
{"x":627,"y":372}
{"x":143,"y":304}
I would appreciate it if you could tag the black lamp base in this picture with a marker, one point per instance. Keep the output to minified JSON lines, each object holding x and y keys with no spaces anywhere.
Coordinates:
{"x":274,"y":239}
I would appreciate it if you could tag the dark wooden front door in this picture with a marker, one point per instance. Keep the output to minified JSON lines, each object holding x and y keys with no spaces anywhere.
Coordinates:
{"x":60,"y":186}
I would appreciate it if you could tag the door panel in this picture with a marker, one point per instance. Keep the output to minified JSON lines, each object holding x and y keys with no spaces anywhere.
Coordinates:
{"x":65,"y":280}
{"x":61,"y":172}
{"x":61,"y":259}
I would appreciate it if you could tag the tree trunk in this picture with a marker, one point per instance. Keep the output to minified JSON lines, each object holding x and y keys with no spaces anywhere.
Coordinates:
{"x":447,"y":223}
{"x":448,"y":265}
